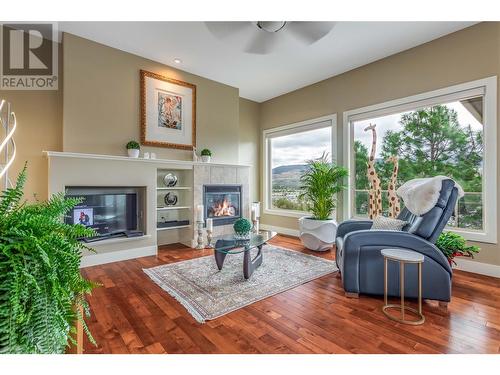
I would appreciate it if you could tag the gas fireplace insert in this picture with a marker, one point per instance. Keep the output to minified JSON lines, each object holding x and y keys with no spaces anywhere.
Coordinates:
{"x":222,"y":203}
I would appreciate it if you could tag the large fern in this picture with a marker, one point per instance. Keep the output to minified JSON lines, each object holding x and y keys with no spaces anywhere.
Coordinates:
{"x":41,"y":288}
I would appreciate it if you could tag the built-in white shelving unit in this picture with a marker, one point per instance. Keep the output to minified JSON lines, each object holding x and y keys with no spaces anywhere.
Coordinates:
{"x":181,"y":211}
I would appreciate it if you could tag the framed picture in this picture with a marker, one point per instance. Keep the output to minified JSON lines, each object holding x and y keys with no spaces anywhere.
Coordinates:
{"x":168,"y":112}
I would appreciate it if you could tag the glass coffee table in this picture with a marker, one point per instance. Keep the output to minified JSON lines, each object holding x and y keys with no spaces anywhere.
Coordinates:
{"x":230,"y":244}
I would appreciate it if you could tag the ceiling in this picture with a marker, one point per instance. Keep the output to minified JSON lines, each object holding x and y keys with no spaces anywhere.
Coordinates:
{"x":261,"y":77}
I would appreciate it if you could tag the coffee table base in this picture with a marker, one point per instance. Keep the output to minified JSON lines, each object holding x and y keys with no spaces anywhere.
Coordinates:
{"x":249,"y":265}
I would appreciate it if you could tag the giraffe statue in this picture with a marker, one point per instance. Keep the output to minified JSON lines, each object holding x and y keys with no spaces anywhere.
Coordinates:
{"x":375,"y":193}
{"x":394,"y":206}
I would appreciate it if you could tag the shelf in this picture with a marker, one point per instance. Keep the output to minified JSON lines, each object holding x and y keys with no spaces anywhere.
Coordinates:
{"x":174,"y":188}
{"x":167,"y":163}
{"x":178,"y":227}
{"x":173,"y":208}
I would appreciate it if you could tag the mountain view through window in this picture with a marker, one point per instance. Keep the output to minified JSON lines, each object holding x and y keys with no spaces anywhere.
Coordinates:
{"x":289,"y":155}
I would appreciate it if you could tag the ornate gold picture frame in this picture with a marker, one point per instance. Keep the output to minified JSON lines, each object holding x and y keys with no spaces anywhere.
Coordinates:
{"x":168,"y":112}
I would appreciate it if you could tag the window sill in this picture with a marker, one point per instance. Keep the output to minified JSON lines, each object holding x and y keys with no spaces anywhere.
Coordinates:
{"x":474,"y":236}
{"x":288,"y":213}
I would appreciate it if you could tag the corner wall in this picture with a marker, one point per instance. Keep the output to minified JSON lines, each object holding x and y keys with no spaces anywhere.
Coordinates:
{"x":39,"y":128}
{"x":249,"y":143}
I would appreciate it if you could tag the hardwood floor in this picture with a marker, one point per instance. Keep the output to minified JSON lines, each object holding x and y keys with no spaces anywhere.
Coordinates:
{"x":131,"y":314}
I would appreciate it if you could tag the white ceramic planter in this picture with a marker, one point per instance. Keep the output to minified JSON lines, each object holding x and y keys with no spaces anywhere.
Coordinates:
{"x":205,"y":158}
{"x":133,"y":153}
{"x":317,"y":235}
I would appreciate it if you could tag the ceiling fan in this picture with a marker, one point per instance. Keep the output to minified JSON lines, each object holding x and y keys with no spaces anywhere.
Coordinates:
{"x":264,"y":37}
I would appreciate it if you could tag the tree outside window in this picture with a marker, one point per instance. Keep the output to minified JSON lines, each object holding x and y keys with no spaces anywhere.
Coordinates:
{"x":444,"y":140}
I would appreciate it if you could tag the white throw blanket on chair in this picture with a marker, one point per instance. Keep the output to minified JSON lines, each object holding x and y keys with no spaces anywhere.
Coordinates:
{"x":421,"y":194}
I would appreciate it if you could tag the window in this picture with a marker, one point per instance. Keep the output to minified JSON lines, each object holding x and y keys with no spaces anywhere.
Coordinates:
{"x":449,"y":132}
{"x":287,"y":150}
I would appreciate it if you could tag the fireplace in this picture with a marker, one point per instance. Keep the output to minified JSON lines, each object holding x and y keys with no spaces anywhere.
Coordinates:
{"x":222,"y":203}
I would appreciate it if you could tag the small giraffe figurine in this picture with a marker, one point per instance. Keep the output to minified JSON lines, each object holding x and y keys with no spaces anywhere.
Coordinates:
{"x":375,"y":193}
{"x":394,"y":206}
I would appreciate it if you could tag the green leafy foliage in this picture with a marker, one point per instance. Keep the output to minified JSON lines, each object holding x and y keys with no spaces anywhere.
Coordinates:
{"x":321,"y":181}
{"x":206,"y":152}
{"x":287,"y":204}
{"x":133,"y":145}
{"x":453,"y":245}
{"x":429,"y":142}
{"x":41,"y":288}
{"x":242,"y":226}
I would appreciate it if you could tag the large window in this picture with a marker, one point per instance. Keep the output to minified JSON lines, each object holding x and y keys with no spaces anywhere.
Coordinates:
{"x":287,"y":151}
{"x":448,"y":133}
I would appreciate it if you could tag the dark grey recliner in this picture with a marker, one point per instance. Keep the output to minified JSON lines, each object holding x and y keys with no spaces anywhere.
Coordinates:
{"x":361,"y":264}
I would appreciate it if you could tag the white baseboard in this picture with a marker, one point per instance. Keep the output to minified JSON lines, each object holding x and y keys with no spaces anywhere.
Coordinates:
{"x":115,"y":256}
{"x":477,"y":267}
{"x":281,"y":230}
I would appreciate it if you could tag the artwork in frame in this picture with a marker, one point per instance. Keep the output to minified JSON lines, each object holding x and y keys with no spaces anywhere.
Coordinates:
{"x":168,"y":112}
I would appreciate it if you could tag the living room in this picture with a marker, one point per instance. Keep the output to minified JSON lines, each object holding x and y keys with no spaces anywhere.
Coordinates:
{"x":250,"y":187}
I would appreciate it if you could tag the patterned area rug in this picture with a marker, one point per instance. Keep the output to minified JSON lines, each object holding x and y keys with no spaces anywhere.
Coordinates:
{"x":208,"y":293}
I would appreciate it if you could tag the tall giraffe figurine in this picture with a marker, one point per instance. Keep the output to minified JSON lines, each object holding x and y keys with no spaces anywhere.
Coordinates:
{"x":394,"y":206}
{"x":375,"y":193}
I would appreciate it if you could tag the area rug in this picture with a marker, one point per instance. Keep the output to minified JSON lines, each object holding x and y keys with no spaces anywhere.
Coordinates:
{"x":208,"y":293}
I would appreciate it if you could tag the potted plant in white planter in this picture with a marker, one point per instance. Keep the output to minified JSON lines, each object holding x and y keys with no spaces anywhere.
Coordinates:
{"x":133,"y":149}
{"x":206,"y":155}
{"x":321,"y":181}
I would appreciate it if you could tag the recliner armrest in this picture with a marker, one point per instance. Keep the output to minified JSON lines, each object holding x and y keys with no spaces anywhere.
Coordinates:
{"x":354,"y":241}
{"x":353,"y":225}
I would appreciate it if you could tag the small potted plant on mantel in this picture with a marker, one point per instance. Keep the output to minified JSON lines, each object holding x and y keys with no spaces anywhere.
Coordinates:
{"x":321,"y":181}
{"x":206,"y":155}
{"x":133,"y":149}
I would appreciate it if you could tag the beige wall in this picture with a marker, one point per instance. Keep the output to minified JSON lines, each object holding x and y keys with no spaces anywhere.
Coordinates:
{"x":469,"y":54}
{"x":39,"y":120}
{"x":249,"y":143}
{"x":101,"y":103}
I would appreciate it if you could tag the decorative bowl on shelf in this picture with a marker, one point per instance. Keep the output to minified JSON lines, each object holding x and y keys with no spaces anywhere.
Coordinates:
{"x":170,"y":180}
{"x":171,"y":199}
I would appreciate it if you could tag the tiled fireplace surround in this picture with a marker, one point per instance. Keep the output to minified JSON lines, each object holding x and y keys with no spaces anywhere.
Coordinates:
{"x":221,"y":175}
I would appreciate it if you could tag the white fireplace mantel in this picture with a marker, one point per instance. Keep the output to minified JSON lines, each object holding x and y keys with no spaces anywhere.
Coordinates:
{"x":166,"y":162}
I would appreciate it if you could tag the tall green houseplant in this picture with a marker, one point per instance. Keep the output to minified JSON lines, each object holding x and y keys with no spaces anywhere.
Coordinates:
{"x":42,"y":290}
{"x":321,"y":181}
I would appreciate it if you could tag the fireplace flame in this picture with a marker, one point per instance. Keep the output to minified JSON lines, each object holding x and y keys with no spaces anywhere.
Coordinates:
{"x":223,"y":208}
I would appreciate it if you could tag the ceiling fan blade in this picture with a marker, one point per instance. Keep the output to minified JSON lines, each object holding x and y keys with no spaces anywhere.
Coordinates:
{"x":222,"y":30}
{"x":309,"y":32}
{"x":262,"y":42}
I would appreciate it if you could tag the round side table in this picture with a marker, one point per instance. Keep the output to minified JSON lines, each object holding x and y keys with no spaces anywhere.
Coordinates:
{"x":403,"y":257}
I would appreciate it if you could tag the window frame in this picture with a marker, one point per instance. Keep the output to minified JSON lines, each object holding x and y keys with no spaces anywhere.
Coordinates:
{"x":486,"y":87}
{"x":290,"y":129}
